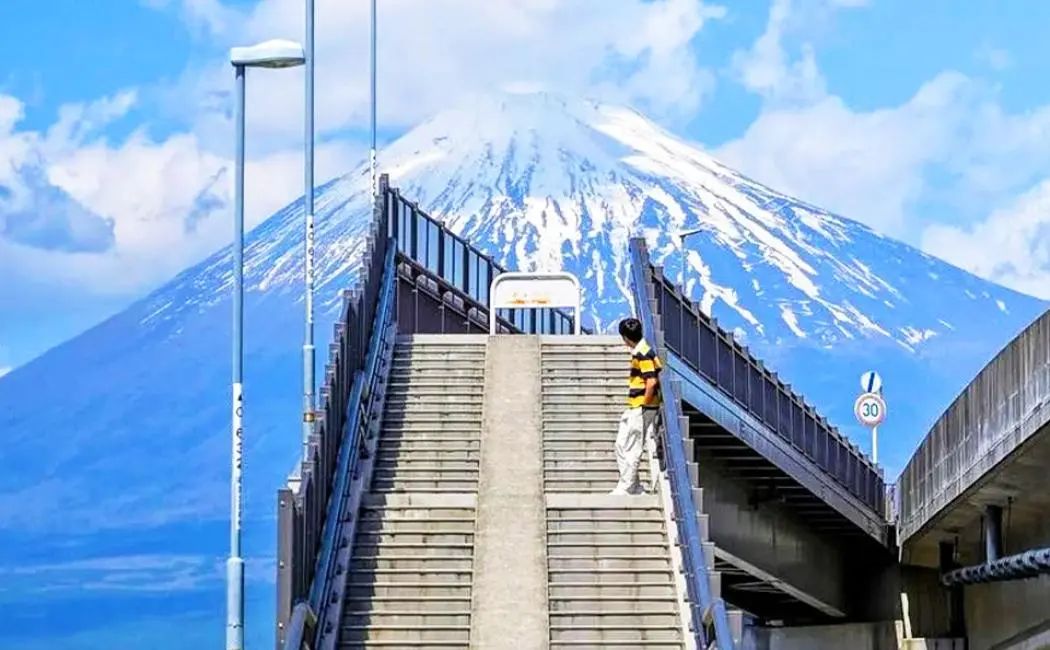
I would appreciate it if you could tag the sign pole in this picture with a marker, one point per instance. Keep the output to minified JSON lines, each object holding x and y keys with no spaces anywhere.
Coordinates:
{"x":875,"y":445}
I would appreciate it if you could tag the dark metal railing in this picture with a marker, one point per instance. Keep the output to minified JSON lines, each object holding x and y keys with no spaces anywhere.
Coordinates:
{"x":708,"y":613}
{"x":711,"y":351}
{"x":457,"y":268}
{"x":315,"y":490}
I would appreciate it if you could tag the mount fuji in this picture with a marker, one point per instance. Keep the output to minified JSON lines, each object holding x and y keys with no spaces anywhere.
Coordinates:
{"x":115,"y":442}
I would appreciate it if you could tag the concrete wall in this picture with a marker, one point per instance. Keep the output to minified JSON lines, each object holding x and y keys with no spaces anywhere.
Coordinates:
{"x":1009,"y":615}
{"x":928,"y":603}
{"x":857,"y":636}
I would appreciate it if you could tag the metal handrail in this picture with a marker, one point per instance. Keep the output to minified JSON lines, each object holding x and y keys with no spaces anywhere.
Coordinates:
{"x":703,"y":605}
{"x":361,"y":405}
{"x":302,"y":627}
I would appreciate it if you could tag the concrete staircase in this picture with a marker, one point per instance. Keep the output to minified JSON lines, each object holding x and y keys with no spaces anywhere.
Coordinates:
{"x":510,"y":539}
{"x":411,"y":571}
{"x":611,"y":571}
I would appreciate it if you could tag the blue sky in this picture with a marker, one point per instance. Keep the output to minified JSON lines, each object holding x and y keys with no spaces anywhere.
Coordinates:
{"x":921,"y":119}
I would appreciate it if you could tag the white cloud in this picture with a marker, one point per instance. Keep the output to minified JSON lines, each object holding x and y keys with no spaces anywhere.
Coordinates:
{"x":432,"y":52}
{"x":1011,"y":246}
{"x":866,"y":165}
{"x":951,"y":145}
{"x":765,"y":67}
{"x":129,"y":214}
{"x":4,"y":370}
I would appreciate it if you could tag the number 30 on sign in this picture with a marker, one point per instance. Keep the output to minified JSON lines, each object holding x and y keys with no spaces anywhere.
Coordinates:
{"x":870,"y":409}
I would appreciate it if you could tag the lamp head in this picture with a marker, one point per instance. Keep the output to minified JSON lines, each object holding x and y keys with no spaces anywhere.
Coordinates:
{"x":276,"y":53}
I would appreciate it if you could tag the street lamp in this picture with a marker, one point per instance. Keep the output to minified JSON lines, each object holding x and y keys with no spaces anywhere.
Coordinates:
{"x":271,"y":54}
{"x":682,"y":236}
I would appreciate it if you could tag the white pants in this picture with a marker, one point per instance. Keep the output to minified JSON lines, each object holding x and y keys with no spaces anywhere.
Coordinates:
{"x":630,"y":443}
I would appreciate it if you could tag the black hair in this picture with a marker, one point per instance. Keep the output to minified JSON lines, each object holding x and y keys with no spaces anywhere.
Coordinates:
{"x":631,"y":329}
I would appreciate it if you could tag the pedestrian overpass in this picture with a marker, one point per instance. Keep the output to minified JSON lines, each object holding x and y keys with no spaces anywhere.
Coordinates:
{"x":454,"y":493}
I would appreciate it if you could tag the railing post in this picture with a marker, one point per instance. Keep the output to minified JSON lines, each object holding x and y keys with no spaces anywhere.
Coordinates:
{"x":285,"y":561}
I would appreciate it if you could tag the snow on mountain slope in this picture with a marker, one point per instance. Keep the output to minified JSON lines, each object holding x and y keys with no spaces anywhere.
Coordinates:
{"x":116,"y":442}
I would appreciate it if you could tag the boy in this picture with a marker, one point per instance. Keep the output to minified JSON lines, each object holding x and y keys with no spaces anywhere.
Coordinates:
{"x":643,"y":404}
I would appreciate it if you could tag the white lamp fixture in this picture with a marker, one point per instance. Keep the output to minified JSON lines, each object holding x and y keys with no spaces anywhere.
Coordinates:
{"x":276,"y":53}
{"x":682,"y":235}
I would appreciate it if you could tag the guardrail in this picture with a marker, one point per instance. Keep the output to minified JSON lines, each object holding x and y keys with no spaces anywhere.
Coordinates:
{"x":706,"y":611}
{"x":433,"y":248}
{"x":305,"y":525}
{"x":715,"y":354}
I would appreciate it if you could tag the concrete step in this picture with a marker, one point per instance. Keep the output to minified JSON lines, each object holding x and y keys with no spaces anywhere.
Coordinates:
{"x":621,"y":634}
{"x":401,"y":485}
{"x":401,"y":562}
{"x":596,"y":462}
{"x":593,"y":537}
{"x":602,"y":575}
{"x":453,"y":399}
{"x":418,"y":577}
{"x":602,"y":548}
{"x":397,"y":618}
{"x":429,"y":444}
{"x":395,"y":592}
{"x":462,"y":454}
{"x":399,"y":550}
{"x":575,"y":443}
{"x":570,"y":458}
{"x":585,"y":427}
{"x":621,"y":514}
{"x":414,"y":536}
{"x":583,"y":560}
{"x":586,"y":618}
{"x":440,"y":366}
{"x":629,"y":590}
{"x":568,"y":482}
{"x":591,"y":526}
{"x":413,"y":463}
{"x":410,"y":427}
{"x":408,"y":476}
{"x":405,"y":636}
{"x":428,"y":411}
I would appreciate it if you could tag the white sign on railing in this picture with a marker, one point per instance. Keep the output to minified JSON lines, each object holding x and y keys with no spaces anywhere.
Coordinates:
{"x":516,"y":290}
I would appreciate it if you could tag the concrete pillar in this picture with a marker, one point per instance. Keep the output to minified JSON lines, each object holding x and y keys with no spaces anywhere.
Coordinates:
{"x":993,"y":533}
{"x":956,"y":603}
{"x":509,"y":607}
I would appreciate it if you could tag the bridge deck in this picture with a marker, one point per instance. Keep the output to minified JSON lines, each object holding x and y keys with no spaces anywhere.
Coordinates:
{"x":990,"y":447}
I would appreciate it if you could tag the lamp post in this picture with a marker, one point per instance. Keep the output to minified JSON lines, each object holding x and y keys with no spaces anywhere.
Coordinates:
{"x":308,"y":236}
{"x":271,"y":54}
{"x":682,"y":236}
{"x":372,"y":152}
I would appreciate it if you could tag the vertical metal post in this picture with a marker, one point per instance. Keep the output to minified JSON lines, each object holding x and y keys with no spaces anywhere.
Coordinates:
{"x":993,"y":533}
{"x":875,"y":445}
{"x":235,"y":564}
{"x":308,"y":211}
{"x":372,"y":153}
{"x":681,"y":267}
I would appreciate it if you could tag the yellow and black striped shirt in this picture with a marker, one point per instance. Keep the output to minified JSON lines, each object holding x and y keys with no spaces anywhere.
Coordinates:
{"x":644,"y":364}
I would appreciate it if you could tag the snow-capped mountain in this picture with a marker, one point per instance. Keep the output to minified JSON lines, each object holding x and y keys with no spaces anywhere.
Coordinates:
{"x":116,"y":445}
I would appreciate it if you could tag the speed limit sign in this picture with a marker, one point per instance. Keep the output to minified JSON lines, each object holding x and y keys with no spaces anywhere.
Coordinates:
{"x":870,"y":409}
